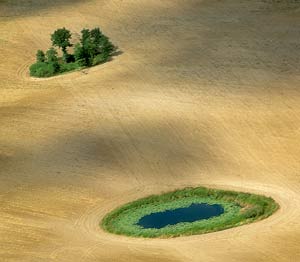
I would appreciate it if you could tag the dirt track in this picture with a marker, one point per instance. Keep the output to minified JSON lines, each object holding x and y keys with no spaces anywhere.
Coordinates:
{"x":204,"y":93}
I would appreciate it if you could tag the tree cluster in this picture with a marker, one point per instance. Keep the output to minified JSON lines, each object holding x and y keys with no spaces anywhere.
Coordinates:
{"x":93,"y":48}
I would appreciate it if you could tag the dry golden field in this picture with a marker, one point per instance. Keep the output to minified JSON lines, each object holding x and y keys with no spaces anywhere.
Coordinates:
{"x":204,"y":93}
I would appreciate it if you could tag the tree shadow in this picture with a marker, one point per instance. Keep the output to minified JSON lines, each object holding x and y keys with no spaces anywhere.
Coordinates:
{"x":117,"y":52}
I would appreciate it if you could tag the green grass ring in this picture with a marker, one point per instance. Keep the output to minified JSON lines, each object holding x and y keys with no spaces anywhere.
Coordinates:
{"x":239,"y":209}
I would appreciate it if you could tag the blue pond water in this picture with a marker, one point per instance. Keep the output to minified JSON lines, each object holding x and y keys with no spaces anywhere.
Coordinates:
{"x":186,"y":214}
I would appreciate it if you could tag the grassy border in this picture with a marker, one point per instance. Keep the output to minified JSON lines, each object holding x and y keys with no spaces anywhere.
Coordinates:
{"x":240,"y":208}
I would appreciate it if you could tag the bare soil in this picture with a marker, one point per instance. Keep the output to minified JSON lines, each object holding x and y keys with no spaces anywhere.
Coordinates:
{"x":204,"y":93}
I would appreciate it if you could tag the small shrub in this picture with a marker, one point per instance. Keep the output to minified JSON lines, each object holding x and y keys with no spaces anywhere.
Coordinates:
{"x":42,"y":69}
{"x":51,"y":55}
{"x":99,"y":59}
{"x":69,"y":67}
{"x":79,"y":55}
{"x":40,"y":56}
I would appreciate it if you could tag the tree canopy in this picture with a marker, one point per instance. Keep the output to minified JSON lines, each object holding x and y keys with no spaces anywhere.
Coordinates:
{"x":40,"y":56}
{"x":92,"y":49}
{"x":61,"y":38}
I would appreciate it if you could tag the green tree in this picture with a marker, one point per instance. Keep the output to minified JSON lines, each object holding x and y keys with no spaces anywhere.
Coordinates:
{"x":52,"y":59}
{"x":96,"y":33}
{"x":94,"y":48}
{"x":85,"y":35}
{"x":79,"y":55}
{"x":61,"y":38}
{"x":107,"y":46}
{"x":52,"y":55}
{"x":88,"y":47}
{"x":40,"y":56}
{"x":96,"y":37}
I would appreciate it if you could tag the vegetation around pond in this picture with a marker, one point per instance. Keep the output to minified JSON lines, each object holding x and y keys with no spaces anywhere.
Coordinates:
{"x":92,"y":49}
{"x":239,"y":209}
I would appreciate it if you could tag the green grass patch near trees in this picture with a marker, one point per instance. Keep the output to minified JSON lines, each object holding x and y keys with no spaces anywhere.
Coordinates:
{"x":239,"y":209}
{"x":92,"y":49}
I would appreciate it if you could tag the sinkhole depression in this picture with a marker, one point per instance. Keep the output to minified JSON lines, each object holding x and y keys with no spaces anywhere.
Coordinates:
{"x":187,"y":211}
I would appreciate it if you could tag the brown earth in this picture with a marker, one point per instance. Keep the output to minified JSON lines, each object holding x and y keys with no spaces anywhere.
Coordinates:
{"x":204,"y":93}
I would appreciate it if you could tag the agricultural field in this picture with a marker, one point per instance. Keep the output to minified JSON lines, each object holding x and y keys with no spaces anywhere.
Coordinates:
{"x":201,"y":93}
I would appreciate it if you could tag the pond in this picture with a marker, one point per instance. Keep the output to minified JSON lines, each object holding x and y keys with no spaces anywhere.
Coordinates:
{"x":191,"y":213}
